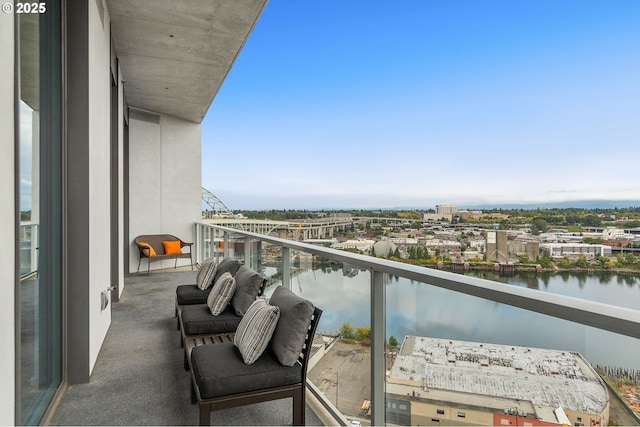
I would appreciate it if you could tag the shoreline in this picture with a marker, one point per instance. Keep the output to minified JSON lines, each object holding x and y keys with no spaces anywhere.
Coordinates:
{"x":452,"y":266}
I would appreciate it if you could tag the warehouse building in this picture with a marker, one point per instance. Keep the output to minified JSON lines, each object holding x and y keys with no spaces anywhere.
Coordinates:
{"x":445,"y":382}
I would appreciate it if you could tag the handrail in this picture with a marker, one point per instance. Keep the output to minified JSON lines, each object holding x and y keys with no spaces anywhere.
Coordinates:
{"x":608,"y":317}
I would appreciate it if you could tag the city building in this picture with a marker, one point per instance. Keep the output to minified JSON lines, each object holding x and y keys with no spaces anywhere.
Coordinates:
{"x":497,"y":249}
{"x":574,"y":250}
{"x":437,"y":381}
{"x":100,"y":113}
{"x":446,"y":209}
{"x":364,"y":245}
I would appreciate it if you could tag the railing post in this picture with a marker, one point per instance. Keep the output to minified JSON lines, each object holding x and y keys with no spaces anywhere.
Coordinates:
{"x":286,"y":267}
{"x":199,"y":246}
{"x":247,"y":252}
{"x":378,"y":347}
{"x":225,"y":240}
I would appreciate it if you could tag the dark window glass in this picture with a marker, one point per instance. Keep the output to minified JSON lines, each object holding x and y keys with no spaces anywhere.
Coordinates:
{"x":39,"y":149}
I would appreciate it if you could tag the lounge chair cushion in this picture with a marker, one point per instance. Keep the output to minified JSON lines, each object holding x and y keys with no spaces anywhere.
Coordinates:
{"x":248,"y":285}
{"x":295,"y":318}
{"x":197,"y":320}
{"x":219,"y":370}
{"x":191,"y":294}
{"x":221,"y":293}
{"x":255,"y":329}
{"x":207,"y":272}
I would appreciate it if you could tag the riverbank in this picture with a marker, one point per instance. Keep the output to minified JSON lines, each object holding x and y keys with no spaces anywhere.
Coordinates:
{"x":531,"y":268}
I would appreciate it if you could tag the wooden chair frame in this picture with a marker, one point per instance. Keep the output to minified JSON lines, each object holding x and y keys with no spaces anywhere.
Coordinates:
{"x":296,"y":391}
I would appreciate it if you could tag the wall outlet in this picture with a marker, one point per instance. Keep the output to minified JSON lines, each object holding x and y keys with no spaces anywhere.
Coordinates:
{"x":104,"y":299}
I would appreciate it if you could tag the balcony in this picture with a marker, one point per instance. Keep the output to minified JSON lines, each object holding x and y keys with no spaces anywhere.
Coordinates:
{"x":139,"y":379}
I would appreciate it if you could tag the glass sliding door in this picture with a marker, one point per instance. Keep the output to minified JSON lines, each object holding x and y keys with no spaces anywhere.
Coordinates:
{"x":39,"y":111}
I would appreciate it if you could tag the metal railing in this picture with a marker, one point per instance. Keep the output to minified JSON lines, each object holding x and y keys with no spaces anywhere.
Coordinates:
{"x":590,"y":313}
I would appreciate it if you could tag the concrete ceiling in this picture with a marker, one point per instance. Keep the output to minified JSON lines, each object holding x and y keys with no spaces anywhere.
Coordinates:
{"x":175,"y":54}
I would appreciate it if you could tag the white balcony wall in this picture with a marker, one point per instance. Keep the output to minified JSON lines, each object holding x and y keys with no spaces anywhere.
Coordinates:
{"x":7,"y":223}
{"x":99,"y":176}
{"x":164,"y":181}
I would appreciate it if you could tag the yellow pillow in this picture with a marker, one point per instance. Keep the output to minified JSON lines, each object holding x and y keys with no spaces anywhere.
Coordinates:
{"x":172,"y":247}
{"x":149,"y":251}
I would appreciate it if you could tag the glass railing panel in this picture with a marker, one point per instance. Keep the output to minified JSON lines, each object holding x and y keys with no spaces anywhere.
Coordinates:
{"x":28,"y":249}
{"x":211,"y":243}
{"x":267,"y":260}
{"x":455,"y":359}
{"x":340,"y":366}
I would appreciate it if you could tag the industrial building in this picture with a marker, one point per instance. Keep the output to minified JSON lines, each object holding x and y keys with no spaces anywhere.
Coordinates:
{"x":446,"y":382}
{"x":575,"y":250}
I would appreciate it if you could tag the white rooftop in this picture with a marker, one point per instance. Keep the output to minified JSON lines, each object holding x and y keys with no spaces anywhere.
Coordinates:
{"x":546,"y":378}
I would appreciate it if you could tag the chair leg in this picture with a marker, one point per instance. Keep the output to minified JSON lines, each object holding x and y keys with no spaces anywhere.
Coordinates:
{"x":205,"y":414}
{"x":148,"y":267}
{"x":139,"y":261}
{"x":186,"y":362}
{"x":299,"y":407}
{"x":191,"y":257}
{"x":193,"y":393}
{"x":175,"y":265}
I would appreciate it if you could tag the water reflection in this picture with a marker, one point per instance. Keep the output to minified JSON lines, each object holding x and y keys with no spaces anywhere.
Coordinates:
{"x":415,"y":308}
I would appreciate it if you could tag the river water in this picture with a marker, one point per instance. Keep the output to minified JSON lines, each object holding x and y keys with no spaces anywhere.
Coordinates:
{"x":414,"y":308}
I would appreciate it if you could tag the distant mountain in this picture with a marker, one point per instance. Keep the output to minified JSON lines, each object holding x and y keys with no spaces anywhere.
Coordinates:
{"x":586,"y":204}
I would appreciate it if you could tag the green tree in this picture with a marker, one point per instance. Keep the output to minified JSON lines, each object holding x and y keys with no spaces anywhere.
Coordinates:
{"x":592,"y":221}
{"x":545,"y":261}
{"x":582,"y":262}
{"x":538,"y":226}
{"x":564,"y":263}
{"x":393,"y":342}
{"x":363,"y":333}
{"x":347,"y":331}
{"x":396,"y":253}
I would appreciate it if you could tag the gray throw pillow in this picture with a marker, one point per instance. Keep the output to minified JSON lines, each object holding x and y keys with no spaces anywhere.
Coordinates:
{"x":206,"y":274}
{"x":295,"y":318}
{"x":255,"y":330}
{"x":221,"y":293}
{"x":227,"y":265}
{"x":248,"y":285}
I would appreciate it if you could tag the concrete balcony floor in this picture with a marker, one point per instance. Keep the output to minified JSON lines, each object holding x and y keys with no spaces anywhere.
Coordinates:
{"x":139,"y":377}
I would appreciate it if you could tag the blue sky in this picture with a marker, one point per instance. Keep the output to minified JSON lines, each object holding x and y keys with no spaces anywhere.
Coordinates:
{"x":382,"y":104}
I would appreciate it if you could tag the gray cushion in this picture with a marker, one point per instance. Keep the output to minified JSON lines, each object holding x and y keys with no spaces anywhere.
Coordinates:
{"x":206,"y":274}
{"x":295,"y":318}
{"x":191,"y":294}
{"x":255,"y":330}
{"x":248,"y":286}
{"x":219,"y":370}
{"x":227,"y":265}
{"x":221,"y":293}
{"x":197,"y":320}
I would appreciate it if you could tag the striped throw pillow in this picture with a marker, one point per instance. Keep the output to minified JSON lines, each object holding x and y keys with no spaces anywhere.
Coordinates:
{"x":221,"y":293}
{"x":255,"y":330}
{"x":206,"y":274}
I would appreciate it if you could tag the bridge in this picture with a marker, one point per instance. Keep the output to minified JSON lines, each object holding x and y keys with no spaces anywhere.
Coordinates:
{"x":301,"y":229}
{"x":318,"y":228}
